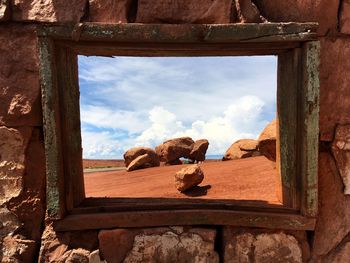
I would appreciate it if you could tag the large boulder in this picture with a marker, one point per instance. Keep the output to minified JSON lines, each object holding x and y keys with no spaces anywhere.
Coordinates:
{"x":242,"y":149}
{"x":140,"y":162}
{"x":267,"y":141}
{"x":133,"y":153}
{"x":199,"y":150}
{"x":188,"y":177}
{"x":172,"y":150}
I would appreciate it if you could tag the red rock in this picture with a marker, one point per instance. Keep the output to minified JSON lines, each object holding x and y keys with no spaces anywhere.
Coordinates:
{"x":241,"y":149}
{"x":171,"y":150}
{"x":78,"y":256}
{"x":277,"y":247}
{"x":140,"y":162}
{"x":341,"y":153}
{"x":162,"y":244}
{"x":199,"y":150}
{"x":323,"y":12}
{"x":333,"y":222}
{"x":109,"y":11}
{"x":115,"y":244}
{"x":184,"y":11}
{"x":48,"y":10}
{"x":12,"y":161}
{"x":67,"y":246}
{"x":340,"y":255}
{"x":345,"y":17}
{"x":133,"y":153}
{"x":17,"y":249}
{"x":334,"y":82}
{"x":188,"y":177}
{"x":248,"y":12}
{"x":267,"y":141}
{"x":20,"y":96}
{"x":243,"y":246}
{"x":4,"y":10}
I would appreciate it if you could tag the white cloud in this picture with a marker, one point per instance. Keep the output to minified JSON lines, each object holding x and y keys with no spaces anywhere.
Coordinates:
{"x":193,"y":88}
{"x":242,"y":119}
{"x":103,"y":117}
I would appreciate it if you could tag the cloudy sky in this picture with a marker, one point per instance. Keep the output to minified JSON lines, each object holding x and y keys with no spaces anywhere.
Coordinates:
{"x":140,"y":101}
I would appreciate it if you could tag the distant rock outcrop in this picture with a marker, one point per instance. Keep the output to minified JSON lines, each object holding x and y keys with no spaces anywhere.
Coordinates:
{"x":242,"y":149}
{"x":188,"y":177}
{"x":149,"y":158}
{"x":267,"y":141}
{"x":172,"y":150}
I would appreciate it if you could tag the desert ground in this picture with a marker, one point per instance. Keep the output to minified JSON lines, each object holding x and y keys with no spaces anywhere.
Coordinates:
{"x":245,"y":179}
{"x":90,"y":163}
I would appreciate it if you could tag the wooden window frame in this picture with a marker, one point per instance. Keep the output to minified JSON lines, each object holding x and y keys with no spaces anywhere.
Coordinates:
{"x":298,"y":50}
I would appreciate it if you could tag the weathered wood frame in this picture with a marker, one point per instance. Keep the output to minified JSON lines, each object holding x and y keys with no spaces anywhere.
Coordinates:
{"x":298,"y":86}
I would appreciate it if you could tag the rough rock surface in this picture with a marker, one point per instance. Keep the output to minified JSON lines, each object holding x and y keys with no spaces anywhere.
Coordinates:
{"x":341,"y":152}
{"x":67,"y":246}
{"x":267,"y":141}
{"x":172,"y":150}
{"x":247,"y":247}
{"x":140,"y":162}
{"x":188,"y":177}
{"x":19,"y":77}
{"x":340,"y":255}
{"x":11,"y":163}
{"x":109,"y":11}
{"x":48,"y":10}
{"x":168,"y":244}
{"x":133,"y":153}
{"x":4,"y":10}
{"x":95,"y":257}
{"x":199,"y":150}
{"x":17,"y":249}
{"x":334,"y":57}
{"x":248,"y":12}
{"x":333,"y":222}
{"x":323,"y":12}
{"x":184,"y":11}
{"x":344,"y":22}
{"x":241,"y":149}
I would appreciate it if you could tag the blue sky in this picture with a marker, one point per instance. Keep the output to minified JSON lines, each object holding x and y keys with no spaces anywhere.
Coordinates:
{"x":142,"y":101}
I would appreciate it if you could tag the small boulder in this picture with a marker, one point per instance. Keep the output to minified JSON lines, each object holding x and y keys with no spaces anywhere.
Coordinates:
{"x":242,"y":149}
{"x":172,"y":150}
{"x":199,"y":150}
{"x":140,"y":162}
{"x":188,"y":177}
{"x":135,"y":152}
{"x":267,"y":141}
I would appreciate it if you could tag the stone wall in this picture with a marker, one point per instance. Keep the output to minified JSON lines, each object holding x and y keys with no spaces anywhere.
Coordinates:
{"x":27,"y":237}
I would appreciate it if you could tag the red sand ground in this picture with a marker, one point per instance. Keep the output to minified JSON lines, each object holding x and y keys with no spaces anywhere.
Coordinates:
{"x":245,"y":179}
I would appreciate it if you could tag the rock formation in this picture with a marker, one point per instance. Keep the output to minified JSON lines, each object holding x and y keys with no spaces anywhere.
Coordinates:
{"x":188,"y":177}
{"x":267,"y":141}
{"x":172,"y":150}
{"x":133,"y":162}
{"x":142,"y":161}
{"x":242,"y":149}
{"x":199,"y":150}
